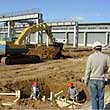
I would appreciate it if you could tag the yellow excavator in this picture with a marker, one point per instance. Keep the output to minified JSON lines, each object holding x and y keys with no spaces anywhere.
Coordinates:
{"x":14,"y":52}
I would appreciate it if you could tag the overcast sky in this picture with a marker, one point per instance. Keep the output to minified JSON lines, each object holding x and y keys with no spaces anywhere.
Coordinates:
{"x":82,"y":10}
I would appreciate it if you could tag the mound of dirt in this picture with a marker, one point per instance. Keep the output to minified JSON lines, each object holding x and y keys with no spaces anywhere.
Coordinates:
{"x":44,"y":52}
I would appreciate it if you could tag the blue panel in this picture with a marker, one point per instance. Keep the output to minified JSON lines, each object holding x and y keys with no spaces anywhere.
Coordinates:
{"x":2,"y":49}
{"x":5,"y":49}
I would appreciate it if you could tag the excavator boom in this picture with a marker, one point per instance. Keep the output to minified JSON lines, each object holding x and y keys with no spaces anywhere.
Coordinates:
{"x":32,"y":29}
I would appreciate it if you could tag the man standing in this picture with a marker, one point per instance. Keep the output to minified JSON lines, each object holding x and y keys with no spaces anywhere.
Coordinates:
{"x":96,"y":65}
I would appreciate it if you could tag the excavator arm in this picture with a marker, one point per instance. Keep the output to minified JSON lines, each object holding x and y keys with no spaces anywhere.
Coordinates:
{"x":35,"y":28}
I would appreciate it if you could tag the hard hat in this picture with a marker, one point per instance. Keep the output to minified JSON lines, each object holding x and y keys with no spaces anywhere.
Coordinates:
{"x":35,"y":84}
{"x":97,"y":45}
{"x":70,"y":84}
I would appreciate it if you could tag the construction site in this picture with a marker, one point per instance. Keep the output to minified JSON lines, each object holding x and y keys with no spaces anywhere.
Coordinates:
{"x":52,"y":54}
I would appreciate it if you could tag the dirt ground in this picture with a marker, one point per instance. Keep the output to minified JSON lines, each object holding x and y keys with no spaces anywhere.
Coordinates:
{"x":52,"y":75}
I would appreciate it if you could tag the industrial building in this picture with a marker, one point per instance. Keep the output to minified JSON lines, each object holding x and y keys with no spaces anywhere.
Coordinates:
{"x":71,"y":33}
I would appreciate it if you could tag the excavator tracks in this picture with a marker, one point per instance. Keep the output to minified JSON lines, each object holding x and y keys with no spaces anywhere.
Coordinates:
{"x":24,"y":59}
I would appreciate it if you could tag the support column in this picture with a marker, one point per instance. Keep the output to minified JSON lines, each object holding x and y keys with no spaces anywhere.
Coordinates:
{"x":13,"y":31}
{"x":40,"y":37}
{"x":37,"y":35}
{"x":47,"y":41}
{"x":66,"y":38}
{"x":75,"y":39}
{"x":107,"y":38}
{"x":9,"y":29}
{"x":85,"y":39}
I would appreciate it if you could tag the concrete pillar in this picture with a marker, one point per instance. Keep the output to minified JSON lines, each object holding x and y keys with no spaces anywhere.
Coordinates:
{"x":47,"y":41}
{"x":75,"y":39}
{"x":85,"y":39}
{"x":40,"y":39}
{"x":40,"y":18}
{"x":9,"y":29}
{"x":66,"y":38}
{"x":37,"y":34}
{"x":40,"y":33}
{"x":107,"y":38}
{"x":13,"y":31}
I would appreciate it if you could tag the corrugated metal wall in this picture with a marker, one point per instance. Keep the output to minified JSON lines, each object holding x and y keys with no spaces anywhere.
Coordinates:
{"x":92,"y":37}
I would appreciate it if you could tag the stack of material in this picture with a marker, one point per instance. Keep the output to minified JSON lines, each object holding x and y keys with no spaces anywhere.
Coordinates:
{"x":64,"y":103}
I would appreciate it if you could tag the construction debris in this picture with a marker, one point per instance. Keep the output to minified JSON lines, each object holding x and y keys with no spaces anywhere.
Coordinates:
{"x":64,"y":103}
{"x":16,"y":94}
{"x":53,"y":96}
{"x":56,"y":95}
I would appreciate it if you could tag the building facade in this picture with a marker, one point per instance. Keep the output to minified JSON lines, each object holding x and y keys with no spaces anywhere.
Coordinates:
{"x":68,"y":32}
{"x":87,"y":33}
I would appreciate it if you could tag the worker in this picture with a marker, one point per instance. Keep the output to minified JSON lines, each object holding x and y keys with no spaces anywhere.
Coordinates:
{"x":97,"y":63}
{"x":72,"y":92}
{"x":35,"y":91}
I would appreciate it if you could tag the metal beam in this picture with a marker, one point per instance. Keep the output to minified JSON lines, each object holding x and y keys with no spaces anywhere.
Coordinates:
{"x":20,"y":17}
{"x":26,"y":21}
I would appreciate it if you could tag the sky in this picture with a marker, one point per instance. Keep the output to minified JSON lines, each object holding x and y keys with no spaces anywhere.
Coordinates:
{"x":58,"y":10}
